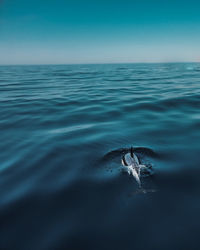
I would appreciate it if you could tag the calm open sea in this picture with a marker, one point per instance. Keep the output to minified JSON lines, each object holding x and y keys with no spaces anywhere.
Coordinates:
{"x":58,"y":190}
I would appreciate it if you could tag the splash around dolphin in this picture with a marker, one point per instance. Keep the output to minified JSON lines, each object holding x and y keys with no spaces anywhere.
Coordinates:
{"x":135,"y":160}
{"x":141,"y":151}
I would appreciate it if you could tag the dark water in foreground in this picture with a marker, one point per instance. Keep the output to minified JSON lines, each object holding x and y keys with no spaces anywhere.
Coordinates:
{"x":57,"y":123}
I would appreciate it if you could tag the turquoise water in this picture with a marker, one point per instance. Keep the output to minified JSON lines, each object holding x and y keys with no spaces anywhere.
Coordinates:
{"x":60,"y":186}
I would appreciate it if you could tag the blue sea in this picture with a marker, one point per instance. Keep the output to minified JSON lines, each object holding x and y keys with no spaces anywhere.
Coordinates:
{"x":64,"y":130}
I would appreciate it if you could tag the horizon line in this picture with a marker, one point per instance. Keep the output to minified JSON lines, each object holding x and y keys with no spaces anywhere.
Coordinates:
{"x":97,"y":63}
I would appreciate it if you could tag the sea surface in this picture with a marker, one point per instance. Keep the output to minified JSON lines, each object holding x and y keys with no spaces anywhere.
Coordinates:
{"x":61,"y":188}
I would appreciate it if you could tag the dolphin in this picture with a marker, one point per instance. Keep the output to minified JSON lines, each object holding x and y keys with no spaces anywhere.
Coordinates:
{"x":132,"y":163}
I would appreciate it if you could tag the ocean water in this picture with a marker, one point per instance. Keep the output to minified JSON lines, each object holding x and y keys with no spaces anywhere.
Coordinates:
{"x":62,"y":187}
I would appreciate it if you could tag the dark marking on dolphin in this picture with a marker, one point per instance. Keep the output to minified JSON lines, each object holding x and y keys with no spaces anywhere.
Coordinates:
{"x":124,"y":161}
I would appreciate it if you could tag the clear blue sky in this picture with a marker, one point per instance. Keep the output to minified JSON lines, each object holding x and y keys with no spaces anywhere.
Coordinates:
{"x":98,"y":31}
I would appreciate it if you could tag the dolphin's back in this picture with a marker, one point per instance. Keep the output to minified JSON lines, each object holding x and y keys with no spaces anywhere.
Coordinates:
{"x":131,"y":160}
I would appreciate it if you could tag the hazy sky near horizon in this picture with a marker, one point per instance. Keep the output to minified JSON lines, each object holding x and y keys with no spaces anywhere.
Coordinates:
{"x":99,"y":31}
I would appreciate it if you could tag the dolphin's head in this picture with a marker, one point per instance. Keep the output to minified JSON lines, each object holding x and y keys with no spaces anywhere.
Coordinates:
{"x":136,"y":175}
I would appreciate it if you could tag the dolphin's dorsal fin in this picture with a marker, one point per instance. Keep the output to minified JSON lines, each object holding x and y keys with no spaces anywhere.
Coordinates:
{"x":132,"y":152}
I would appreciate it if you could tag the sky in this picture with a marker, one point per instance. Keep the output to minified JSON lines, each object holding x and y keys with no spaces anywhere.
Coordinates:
{"x":99,"y":31}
